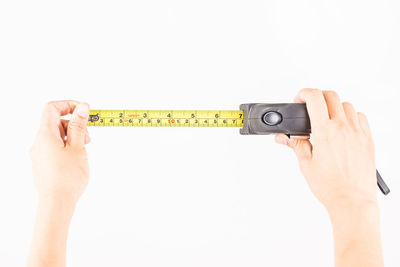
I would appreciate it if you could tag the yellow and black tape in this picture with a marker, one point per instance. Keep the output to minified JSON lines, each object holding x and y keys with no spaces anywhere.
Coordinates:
{"x":166,"y":118}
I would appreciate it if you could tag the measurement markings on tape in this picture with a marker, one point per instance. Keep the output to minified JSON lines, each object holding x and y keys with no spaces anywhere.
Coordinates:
{"x":166,"y":118}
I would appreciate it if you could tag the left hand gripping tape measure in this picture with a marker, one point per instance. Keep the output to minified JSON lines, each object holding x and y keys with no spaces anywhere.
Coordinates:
{"x":254,"y":119}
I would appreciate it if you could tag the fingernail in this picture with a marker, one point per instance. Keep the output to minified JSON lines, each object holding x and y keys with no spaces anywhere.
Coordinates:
{"x":280,"y":139}
{"x":82,"y":110}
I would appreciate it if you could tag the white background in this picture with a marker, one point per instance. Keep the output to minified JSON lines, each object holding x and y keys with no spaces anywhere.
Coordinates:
{"x":192,"y":197}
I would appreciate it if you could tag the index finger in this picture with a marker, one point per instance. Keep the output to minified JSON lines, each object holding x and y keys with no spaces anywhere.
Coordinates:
{"x":316,"y":106}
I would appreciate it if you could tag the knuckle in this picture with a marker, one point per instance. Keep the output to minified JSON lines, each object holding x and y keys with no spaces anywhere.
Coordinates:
{"x":331,"y":93}
{"x":363,"y":118}
{"x":308,"y":91}
{"x":362,"y":115}
{"x":347,"y":105}
{"x":366,"y":142}
{"x":50,"y":104}
{"x":76,"y":126}
{"x":315,"y":92}
{"x":335,"y":129}
{"x":340,"y":125}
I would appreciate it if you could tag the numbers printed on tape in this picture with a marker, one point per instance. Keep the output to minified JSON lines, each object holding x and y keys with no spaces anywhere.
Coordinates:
{"x":166,"y":118}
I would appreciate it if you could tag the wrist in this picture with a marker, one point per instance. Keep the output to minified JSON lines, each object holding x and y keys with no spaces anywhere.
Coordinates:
{"x":56,"y":205}
{"x":57,"y":196}
{"x":53,"y":218}
{"x":356,"y":232}
{"x":346,"y":210}
{"x":350,"y":201}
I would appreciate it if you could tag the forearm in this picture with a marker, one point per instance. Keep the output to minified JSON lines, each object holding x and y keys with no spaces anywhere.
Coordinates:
{"x":356,"y":230}
{"x":48,"y":247}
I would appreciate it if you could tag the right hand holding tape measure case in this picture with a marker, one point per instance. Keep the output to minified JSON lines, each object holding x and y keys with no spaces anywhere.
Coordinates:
{"x":290,"y":119}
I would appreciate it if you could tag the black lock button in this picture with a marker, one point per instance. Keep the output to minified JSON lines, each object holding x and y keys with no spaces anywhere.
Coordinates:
{"x":272,"y":118}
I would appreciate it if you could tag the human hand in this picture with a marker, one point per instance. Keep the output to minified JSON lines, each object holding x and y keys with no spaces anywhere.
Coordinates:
{"x":59,"y":158}
{"x":339,"y":163}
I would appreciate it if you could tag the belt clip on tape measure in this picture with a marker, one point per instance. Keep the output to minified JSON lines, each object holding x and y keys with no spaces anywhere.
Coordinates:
{"x":254,"y":118}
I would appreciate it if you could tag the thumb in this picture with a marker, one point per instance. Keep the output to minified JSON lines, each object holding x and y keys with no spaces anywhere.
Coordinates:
{"x":300,"y":145}
{"x":76,"y":133}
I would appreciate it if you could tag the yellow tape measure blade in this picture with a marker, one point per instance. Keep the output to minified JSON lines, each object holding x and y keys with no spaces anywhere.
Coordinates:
{"x":166,"y":118}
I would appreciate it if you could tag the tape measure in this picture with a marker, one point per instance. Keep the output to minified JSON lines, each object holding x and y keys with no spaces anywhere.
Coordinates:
{"x":166,"y":118}
{"x":253,"y":118}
